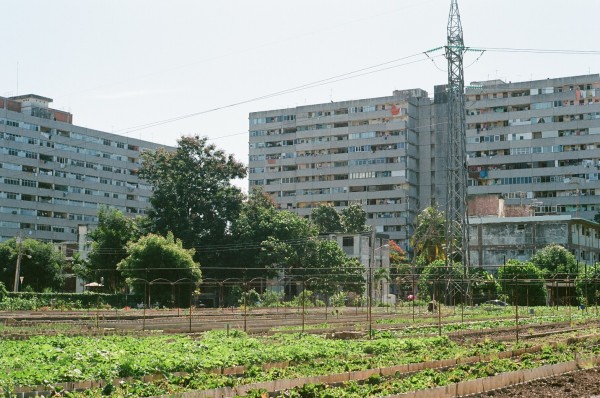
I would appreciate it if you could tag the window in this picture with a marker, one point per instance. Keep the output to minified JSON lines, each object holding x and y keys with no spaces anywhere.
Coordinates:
{"x":348,"y":241}
{"x":11,"y":181}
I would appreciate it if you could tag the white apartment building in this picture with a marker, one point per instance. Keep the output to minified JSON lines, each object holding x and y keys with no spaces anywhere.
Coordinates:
{"x":342,"y":153}
{"x":54,"y":176}
{"x":536,"y":143}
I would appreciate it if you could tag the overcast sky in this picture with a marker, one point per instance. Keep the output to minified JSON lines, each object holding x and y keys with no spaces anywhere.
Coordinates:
{"x":118,"y":64}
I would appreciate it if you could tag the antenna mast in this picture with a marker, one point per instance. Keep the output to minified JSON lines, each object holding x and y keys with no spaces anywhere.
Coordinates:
{"x":457,"y":221}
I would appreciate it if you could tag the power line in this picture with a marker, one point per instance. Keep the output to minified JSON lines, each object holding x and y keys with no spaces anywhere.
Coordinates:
{"x":334,"y":79}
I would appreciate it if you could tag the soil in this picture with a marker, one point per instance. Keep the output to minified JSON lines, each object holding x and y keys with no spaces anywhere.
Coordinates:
{"x":580,"y":384}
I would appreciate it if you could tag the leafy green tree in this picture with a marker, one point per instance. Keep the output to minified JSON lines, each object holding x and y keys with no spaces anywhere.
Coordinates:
{"x":588,"y":288}
{"x":555,"y":260}
{"x":109,"y":241}
{"x":332,"y":270}
{"x":354,"y":219}
{"x":3,"y":291}
{"x":443,"y":284}
{"x":41,"y":265}
{"x":428,"y":239}
{"x":522,"y":282}
{"x":401,"y":271}
{"x":163,"y":265}
{"x":484,"y":286}
{"x":193,"y":196}
{"x":294,"y":249}
{"x":255,"y":224}
{"x":327,"y":219}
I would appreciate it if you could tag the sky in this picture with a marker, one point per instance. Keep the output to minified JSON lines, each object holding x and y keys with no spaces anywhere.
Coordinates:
{"x":122,"y":66}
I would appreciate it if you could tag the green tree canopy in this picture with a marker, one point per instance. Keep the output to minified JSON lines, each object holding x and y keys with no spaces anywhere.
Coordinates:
{"x":254,"y":225}
{"x":327,"y":219}
{"x":193,"y":196}
{"x":442,"y":283}
{"x":484,"y":286}
{"x":41,"y":265}
{"x":294,"y":249}
{"x":329,"y":269}
{"x":354,"y":219}
{"x":555,"y":260}
{"x":522,"y":282}
{"x":588,"y":288}
{"x":109,"y":241}
{"x":402,"y":272}
{"x":428,"y":239}
{"x":162,"y":264}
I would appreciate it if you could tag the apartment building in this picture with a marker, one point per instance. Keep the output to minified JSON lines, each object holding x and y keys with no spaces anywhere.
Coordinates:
{"x":536,"y":143}
{"x":343,"y":153}
{"x":55,"y":175}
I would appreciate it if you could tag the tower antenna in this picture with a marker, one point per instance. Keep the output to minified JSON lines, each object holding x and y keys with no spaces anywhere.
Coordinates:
{"x":457,"y":221}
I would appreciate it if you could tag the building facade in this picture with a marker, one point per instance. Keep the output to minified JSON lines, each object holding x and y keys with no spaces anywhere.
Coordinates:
{"x":55,"y":175}
{"x":494,"y":240}
{"x":343,"y":153}
{"x":536,"y":143}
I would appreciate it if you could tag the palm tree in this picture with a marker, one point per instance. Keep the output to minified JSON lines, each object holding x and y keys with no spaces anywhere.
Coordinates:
{"x":429,"y":238}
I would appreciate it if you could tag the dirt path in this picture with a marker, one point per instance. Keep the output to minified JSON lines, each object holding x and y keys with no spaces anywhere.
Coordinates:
{"x":581,"y":384}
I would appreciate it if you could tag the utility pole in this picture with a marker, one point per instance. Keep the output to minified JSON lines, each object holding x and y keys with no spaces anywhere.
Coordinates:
{"x":457,"y":222}
{"x":370,"y":282}
{"x":18,"y":267}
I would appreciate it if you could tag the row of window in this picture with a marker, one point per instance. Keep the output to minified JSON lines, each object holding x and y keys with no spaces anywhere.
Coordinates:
{"x":321,"y":139}
{"x":485,"y":126}
{"x":35,"y":227}
{"x":537,"y":180}
{"x":34,"y":171}
{"x":48,"y":132}
{"x":273,"y":119}
{"x":534,"y":91}
{"x":66,"y":189}
{"x":59,"y":146}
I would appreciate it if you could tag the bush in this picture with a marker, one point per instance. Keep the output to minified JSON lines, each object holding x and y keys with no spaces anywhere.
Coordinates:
{"x":271,"y":299}
{"x":339,"y":299}
{"x":33,"y":300}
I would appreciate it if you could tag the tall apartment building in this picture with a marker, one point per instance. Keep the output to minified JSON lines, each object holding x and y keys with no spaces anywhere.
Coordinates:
{"x":341,"y":153}
{"x":56,"y":175}
{"x":536,"y":143}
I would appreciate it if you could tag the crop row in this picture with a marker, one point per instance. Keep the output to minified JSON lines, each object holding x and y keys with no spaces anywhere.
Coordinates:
{"x":375,"y":385}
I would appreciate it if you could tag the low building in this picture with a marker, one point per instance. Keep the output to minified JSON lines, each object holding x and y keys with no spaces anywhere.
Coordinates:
{"x":495,"y":240}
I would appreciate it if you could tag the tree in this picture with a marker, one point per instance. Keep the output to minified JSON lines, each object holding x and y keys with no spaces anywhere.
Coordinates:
{"x":587,"y":286}
{"x":327,"y":219}
{"x":162,"y":264}
{"x":41,"y":264}
{"x":484,"y":286}
{"x":436,"y":281}
{"x":193,"y":196}
{"x":555,"y":260}
{"x":428,"y":239}
{"x":522,"y":282}
{"x":293,"y":248}
{"x":109,"y":241}
{"x":254,"y":225}
{"x":354,"y":219}
{"x":402,"y":272}
{"x":332,"y":270}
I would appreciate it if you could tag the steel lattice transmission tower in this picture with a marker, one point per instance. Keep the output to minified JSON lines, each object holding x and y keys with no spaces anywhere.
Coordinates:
{"x":457,"y":222}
